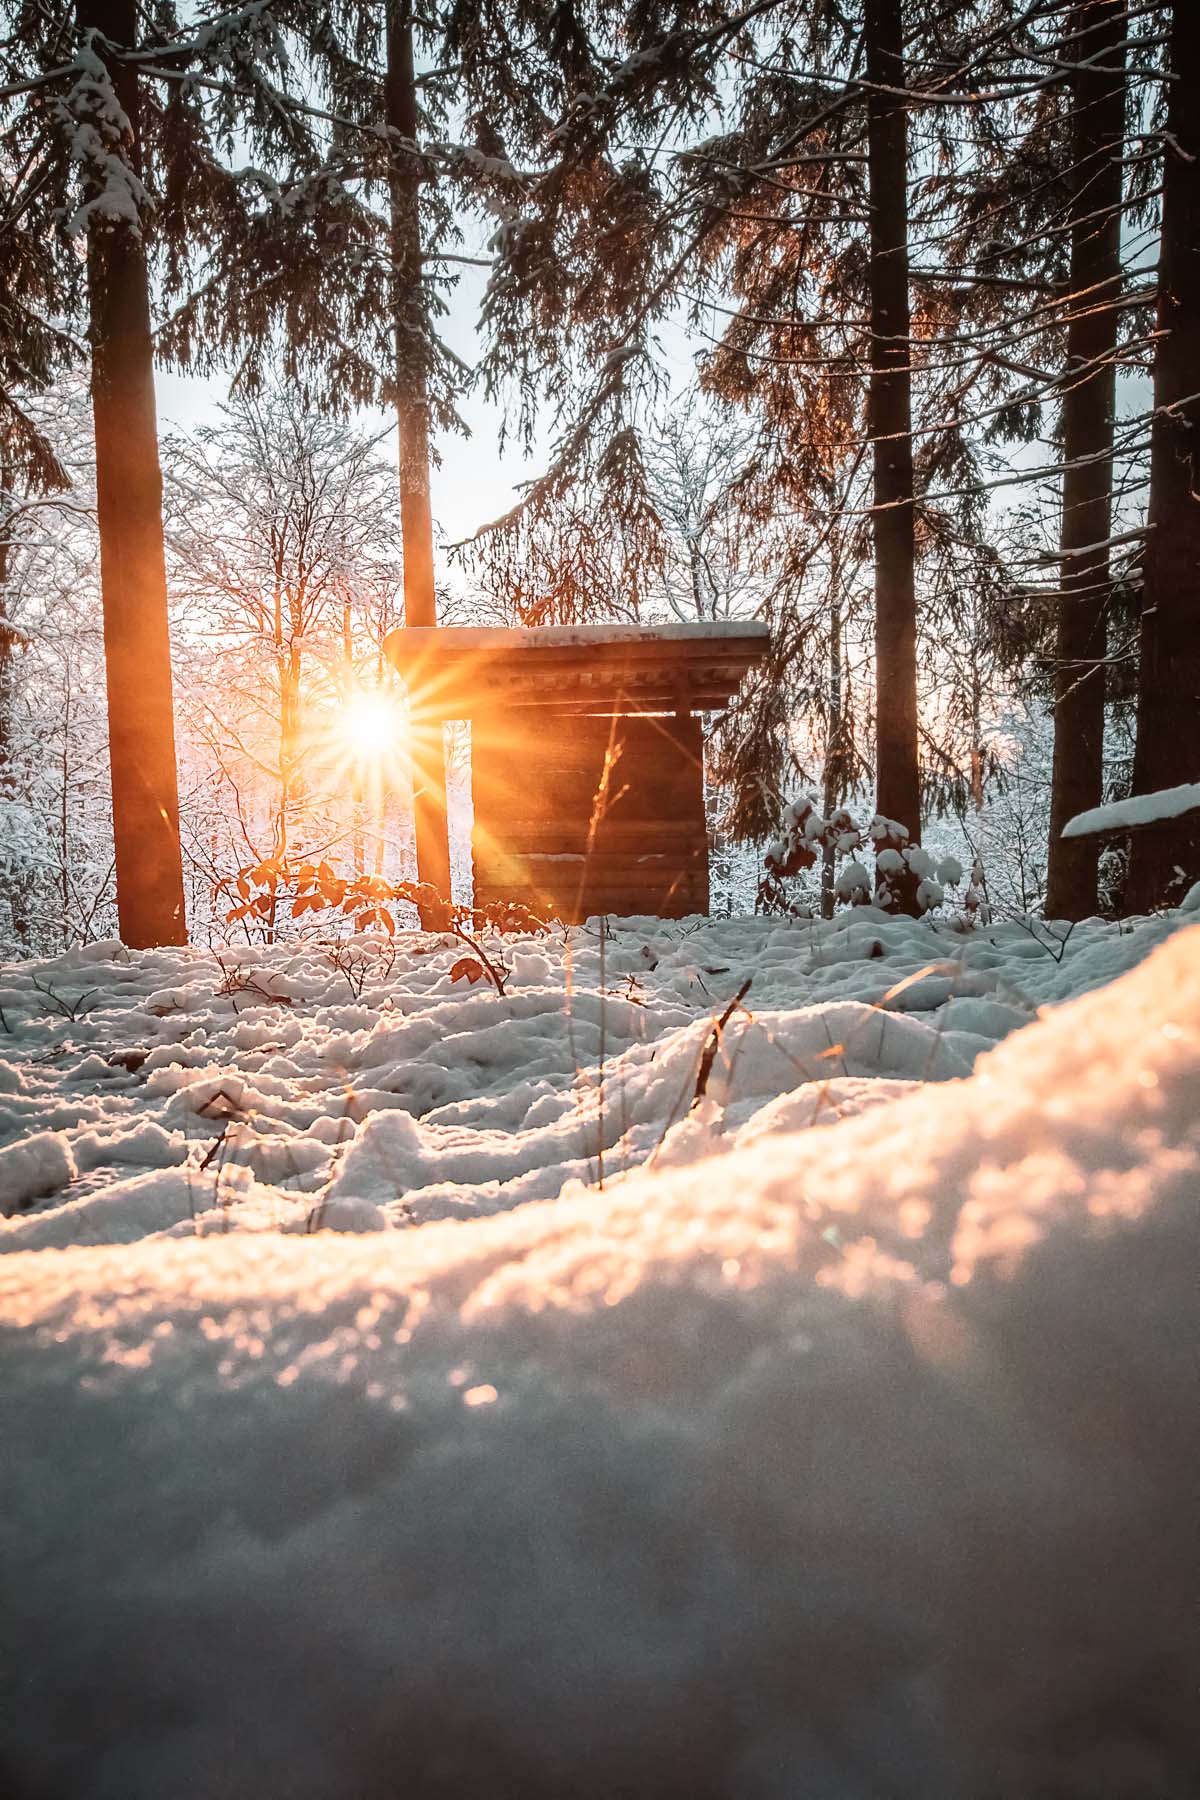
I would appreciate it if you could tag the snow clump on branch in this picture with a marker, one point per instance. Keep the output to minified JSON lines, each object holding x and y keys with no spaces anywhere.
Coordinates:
{"x":906,"y":876}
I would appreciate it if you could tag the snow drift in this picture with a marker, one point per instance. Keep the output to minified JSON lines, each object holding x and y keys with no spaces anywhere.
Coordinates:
{"x":853,"y":1462}
{"x":303,"y":1087}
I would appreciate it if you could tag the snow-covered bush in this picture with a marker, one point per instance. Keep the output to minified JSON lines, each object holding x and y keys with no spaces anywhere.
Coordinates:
{"x":907,"y":878}
{"x":275,"y":889}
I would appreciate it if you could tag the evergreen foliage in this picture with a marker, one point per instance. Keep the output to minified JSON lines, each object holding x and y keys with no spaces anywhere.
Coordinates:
{"x":912,"y":251}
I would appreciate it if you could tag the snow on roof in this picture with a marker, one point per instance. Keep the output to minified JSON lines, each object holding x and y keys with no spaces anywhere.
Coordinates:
{"x":456,"y":671}
{"x":473,"y":638}
{"x":1138,"y":810}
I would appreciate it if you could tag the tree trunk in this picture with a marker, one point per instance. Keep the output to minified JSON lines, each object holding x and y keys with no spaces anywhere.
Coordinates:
{"x":897,"y":785}
{"x":17,"y":883}
{"x":1097,"y":98}
{"x":977,"y":745}
{"x":349,"y":688}
{"x":64,"y":810}
{"x":137,"y":651}
{"x":412,"y":412}
{"x":8,"y":630}
{"x":1163,"y":862}
{"x":833,"y":772}
{"x":289,"y":745}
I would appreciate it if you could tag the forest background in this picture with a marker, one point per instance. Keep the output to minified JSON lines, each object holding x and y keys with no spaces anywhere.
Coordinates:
{"x":844,"y":317}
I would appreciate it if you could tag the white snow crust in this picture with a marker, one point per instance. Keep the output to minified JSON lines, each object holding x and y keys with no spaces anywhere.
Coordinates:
{"x":1138,"y":809}
{"x":841,"y":1443}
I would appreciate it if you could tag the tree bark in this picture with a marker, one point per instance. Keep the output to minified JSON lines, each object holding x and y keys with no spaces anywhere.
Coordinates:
{"x":833,"y":773}
{"x":412,"y":413}
{"x":8,"y":631}
{"x":289,"y":745}
{"x":1097,"y":98}
{"x":977,"y":744}
{"x":137,"y":651}
{"x":1165,"y":861}
{"x":897,"y":783}
{"x":17,"y":883}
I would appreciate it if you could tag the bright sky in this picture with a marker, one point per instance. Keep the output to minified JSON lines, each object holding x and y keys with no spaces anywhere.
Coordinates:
{"x":474,"y":484}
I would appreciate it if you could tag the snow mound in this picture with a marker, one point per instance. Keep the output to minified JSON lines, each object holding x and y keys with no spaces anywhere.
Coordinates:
{"x":40,"y":1164}
{"x":299,"y":1078}
{"x":1138,"y":809}
{"x":855,"y":1462}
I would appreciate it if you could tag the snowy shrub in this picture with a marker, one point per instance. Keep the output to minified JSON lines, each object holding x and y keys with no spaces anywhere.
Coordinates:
{"x":276,"y":888}
{"x":853,"y":883}
{"x":975,"y":901}
{"x":907,"y":877}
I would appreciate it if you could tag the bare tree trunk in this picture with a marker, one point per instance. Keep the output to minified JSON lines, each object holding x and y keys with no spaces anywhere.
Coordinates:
{"x":17,"y":882}
{"x":64,"y":808}
{"x":289,"y":744}
{"x":1097,"y":97}
{"x":8,"y":632}
{"x":412,"y":412}
{"x":833,"y":735}
{"x":697,"y":578}
{"x":1165,"y":861}
{"x":976,"y":729}
{"x":137,"y":651}
{"x":349,"y":684}
{"x":897,"y":782}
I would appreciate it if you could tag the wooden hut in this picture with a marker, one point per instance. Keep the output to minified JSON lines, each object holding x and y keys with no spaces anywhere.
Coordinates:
{"x":587,"y":758}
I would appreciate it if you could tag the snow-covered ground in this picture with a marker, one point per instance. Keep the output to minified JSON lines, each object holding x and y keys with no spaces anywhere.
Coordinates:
{"x":829,"y":1433}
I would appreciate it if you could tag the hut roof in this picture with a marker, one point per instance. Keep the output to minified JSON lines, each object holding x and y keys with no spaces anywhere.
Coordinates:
{"x":458,"y":672}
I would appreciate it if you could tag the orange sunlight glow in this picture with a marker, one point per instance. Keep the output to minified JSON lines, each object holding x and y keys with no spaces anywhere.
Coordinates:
{"x":371,"y":724}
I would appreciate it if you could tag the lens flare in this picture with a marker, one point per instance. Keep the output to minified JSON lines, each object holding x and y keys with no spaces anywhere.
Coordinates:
{"x":371,"y":722}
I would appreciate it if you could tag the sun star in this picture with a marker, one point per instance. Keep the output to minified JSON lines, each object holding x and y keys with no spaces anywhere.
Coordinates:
{"x":370,"y":723}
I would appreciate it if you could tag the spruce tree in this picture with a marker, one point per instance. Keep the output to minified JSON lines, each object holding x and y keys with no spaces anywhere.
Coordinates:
{"x":137,"y":651}
{"x":1164,"y":861}
{"x":89,"y":145}
{"x":1034,"y":248}
{"x":897,"y":778}
{"x":817,"y":341}
{"x":412,"y":413}
{"x":1096,"y":39}
{"x":121,"y":128}
{"x":397,"y":80}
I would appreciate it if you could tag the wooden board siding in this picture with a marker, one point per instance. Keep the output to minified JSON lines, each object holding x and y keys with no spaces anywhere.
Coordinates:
{"x":545,"y":703}
{"x":548,"y":837}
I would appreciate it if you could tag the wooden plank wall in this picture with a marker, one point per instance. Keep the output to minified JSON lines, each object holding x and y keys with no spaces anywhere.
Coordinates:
{"x":539,"y":801}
